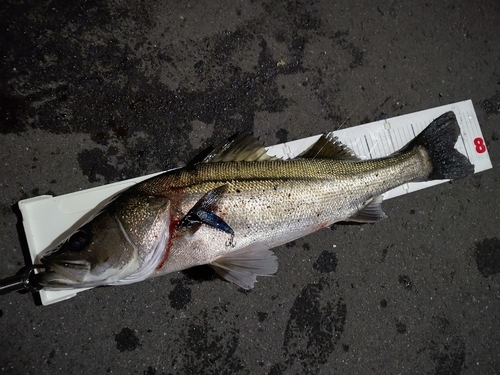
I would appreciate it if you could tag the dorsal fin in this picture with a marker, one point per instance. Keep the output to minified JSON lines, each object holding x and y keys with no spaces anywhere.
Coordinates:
{"x":329,"y":147}
{"x":240,"y":147}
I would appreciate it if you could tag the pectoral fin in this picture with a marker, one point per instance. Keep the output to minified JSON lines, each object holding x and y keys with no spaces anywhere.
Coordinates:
{"x":202,"y":213}
{"x":243,"y":266}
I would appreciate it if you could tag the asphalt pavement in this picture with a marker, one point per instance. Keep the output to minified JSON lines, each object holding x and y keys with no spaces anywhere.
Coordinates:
{"x":93,"y":92}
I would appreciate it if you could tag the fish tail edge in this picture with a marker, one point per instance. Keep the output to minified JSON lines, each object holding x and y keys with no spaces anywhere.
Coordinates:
{"x":439,"y":139}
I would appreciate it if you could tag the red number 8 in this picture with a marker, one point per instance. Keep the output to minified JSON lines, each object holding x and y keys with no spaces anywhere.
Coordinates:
{"x":480,"y":146}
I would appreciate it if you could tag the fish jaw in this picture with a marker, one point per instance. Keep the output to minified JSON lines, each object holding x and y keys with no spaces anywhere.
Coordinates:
{"x":64,"y":275}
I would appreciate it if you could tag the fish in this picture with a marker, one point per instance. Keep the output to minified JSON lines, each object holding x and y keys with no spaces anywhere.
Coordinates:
{"x":231,"y":205}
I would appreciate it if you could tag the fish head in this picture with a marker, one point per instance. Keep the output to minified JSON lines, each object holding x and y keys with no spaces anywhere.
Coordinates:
{"x":121,"y":242}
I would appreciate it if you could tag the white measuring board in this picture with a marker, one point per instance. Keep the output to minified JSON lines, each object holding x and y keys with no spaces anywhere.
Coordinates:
{"x":48,"y":220}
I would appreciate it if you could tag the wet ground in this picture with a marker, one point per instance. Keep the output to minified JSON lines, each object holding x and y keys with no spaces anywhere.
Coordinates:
{"x":94,"y":92}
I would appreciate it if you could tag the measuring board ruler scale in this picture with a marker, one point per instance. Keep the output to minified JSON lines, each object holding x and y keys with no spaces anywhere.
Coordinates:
{"x":48,"y":220}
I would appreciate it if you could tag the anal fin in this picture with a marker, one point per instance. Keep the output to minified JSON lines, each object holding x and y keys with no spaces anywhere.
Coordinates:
{"x":243,"y":266}
{"x":370,"y":213}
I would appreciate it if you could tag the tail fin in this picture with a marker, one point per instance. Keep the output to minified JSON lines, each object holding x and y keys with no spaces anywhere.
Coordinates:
{"x":439,"y":140}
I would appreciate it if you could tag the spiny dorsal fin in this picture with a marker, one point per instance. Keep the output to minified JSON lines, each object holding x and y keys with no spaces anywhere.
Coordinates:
{"x":240,"y":147}
{"x":329,"y":147}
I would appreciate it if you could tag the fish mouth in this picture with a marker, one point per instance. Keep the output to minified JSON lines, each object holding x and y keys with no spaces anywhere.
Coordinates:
{"x":61,"y":273}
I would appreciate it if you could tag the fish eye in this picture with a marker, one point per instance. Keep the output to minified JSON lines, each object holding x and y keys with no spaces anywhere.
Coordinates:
{"x":78,"y":241}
